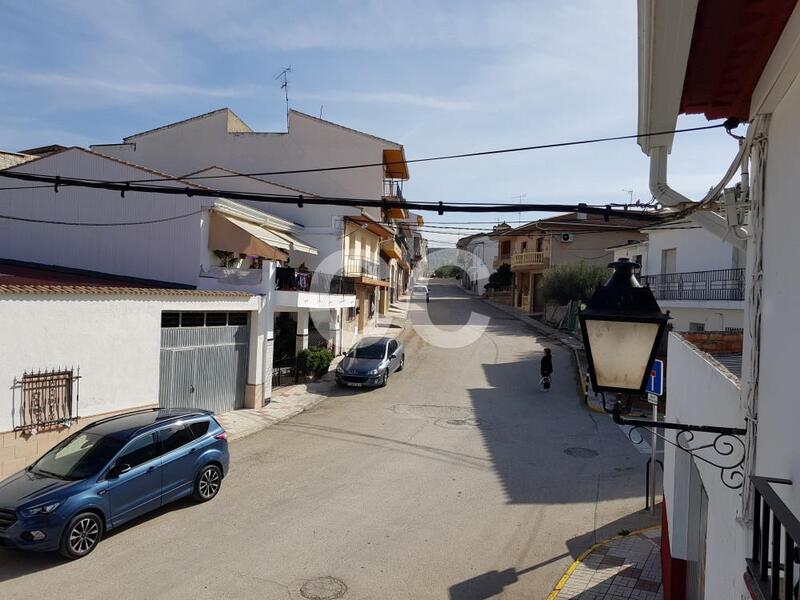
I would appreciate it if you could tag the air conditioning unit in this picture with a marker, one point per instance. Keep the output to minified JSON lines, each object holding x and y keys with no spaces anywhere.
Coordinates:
{"x":567,"y":237}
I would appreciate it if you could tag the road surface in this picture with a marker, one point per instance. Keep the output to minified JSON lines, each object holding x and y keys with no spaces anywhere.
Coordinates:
{"x":459,"y":480}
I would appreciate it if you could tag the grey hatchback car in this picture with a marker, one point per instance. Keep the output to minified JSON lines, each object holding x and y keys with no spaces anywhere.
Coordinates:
{"x":370,"y":362}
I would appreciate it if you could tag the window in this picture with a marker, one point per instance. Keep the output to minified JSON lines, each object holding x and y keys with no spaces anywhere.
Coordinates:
{"x":216,"y":319}
{"x":139,"y":451}
{"x":524,"y":246}
{"x":668,"y":261}
{"x":392,"y":346}
{"x":697,"y":327}
{"x":199,"y":428}
{"x":79,"y":456}
{"x":175,"y":436}
{"x":351,"y":313}
{"x":237,"y":318}
{"x":637,"y":258}
{"x":193,"y":319}
{"x":170,"y":319}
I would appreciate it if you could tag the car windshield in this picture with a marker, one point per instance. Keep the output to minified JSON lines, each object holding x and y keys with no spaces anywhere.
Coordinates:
{"x":374,"y":350}
{"x":78,"y":457}
{"x":419,"y":288}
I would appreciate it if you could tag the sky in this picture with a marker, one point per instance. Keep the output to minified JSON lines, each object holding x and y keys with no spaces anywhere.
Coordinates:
{"x":440,"y":77}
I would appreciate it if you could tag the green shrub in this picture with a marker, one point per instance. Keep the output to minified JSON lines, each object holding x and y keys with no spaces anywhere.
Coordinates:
{"x":501,"y":278}
{"x":314,"y":361}
{"x":564,"y":283}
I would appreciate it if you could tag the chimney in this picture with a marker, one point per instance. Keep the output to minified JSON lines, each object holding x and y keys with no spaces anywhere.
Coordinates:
{"x":581,"y":214}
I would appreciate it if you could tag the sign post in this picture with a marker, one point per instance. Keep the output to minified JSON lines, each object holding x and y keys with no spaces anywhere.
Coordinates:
{"x":655,"y":388}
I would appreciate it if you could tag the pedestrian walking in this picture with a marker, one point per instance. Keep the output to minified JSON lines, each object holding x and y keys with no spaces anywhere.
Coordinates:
{"x":546,"y":369}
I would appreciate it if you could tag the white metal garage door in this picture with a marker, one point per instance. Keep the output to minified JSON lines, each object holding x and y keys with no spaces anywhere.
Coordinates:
{"x":203,"y":360}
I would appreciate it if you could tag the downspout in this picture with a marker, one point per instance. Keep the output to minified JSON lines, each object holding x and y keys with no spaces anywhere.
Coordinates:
{"x":711,"y":221}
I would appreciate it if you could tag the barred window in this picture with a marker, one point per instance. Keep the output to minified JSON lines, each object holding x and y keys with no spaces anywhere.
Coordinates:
{"x":46,"y":398}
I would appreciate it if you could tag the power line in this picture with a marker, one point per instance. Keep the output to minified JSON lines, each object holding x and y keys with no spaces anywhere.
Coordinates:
{"x":438,"y":158}
{"x":118,"y":224}
{"x":300,"y":200}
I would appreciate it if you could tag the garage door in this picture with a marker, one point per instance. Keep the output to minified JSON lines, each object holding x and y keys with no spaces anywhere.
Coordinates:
{"x":203,"y":360}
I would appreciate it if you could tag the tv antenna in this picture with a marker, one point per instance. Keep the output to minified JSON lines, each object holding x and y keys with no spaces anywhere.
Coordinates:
{"x":521,"y":197}
{"x":630,"y":194}
{"x":284,"y":77}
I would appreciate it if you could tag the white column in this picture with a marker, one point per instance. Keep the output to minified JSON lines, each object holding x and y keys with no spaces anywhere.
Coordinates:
{"x":302,"y":329}
{"x":259,"y":367}
{"x":336,"y":330}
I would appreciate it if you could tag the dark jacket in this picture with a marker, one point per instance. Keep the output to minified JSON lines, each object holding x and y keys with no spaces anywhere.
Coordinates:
{"x":547,"y":365}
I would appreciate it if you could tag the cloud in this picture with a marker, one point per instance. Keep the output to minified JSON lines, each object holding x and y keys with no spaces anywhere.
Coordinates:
{"x":121,"y":87}
{"x":399,"y":98}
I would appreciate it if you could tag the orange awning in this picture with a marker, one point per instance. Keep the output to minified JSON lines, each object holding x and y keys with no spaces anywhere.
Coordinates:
{"x":373,"y":227}
{"x":394,"y":164}
{"x":240,"y":237}
{"x":391,"y":249}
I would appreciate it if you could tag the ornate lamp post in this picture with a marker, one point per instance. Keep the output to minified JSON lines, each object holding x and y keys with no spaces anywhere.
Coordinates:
{"x":622,"y":326}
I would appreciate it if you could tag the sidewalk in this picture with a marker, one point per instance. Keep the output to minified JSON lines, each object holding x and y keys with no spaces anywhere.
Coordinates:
{"x":291,"y":400}
{"x":620,"y":568}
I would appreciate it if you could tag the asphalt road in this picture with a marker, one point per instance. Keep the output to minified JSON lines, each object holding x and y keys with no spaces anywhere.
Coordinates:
{"x":458,"y":480}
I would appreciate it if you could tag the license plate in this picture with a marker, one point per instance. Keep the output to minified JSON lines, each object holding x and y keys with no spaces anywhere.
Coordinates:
{"x":351,"y":384}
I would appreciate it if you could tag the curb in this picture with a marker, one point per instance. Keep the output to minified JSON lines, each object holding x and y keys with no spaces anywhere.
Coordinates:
{"x":571,"y":569}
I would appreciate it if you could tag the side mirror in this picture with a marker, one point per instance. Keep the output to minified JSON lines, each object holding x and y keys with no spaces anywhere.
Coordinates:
{"x":392,"y":356}
{"x":118,"y":470}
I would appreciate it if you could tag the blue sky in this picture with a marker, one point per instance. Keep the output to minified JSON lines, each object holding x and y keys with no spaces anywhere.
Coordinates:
{"x":439,"y":77}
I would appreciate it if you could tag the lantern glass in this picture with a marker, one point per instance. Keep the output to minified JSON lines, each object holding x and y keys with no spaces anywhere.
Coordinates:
{"x":621,"y":352}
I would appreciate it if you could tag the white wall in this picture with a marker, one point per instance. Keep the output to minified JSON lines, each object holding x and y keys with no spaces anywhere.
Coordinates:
{"x":114,"y":340}
{"x":168,"y":251}
{"x":696,"y":250}
{"x":309,"y":143}
{"x":778,"y":406}
{"x":714,"y":319}
{"x":700,"y":393}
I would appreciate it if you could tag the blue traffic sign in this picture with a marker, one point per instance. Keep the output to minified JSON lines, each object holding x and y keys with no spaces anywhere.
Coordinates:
{"x":655,"y":383}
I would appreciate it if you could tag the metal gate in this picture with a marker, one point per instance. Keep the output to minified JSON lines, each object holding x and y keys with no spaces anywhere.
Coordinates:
{"x":203,"y":367}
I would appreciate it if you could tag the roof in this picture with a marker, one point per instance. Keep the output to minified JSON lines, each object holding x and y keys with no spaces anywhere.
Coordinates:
{"x":466,"y":240}
{"x":350,"y":129}
{"x":10,"y":159}
{"x":44,"y":279}
{"x":125,"y":426}
{"x":732,"y":361}
{"x":190,"y":119}
{"x":42,"y":150}
{"x":571,"y":222}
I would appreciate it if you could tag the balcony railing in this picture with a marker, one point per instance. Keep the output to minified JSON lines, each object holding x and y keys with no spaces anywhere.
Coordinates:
{"x":233,"y":276}
{"x":356,"y":265}
{"x":527,"y":258}
{"x":288,"y":279}
{"x":392,"y":188}
{"x":722,"y":284}
{"x":773,"y":579}
{"x":504,"y":259}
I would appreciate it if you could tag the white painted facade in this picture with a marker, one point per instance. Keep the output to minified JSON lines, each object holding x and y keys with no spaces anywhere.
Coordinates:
{"x":113,"y":339}
{"x":476,"y":258}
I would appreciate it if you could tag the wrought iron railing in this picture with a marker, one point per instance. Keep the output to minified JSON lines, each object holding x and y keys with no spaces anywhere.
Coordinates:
{"x":721,"y":284}
{"x":392,"y":188}
{"x":357,"y":265}
{"x":284,"y":372}
{"x":776,"y":534}
{"x":288,"y":279}
{"x":47,"y":398}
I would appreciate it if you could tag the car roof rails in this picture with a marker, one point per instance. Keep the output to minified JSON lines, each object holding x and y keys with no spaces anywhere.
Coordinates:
{"x":120,"y":415}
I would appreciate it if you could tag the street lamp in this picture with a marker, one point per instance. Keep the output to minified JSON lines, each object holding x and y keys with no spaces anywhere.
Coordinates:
{"x":622,"y":326}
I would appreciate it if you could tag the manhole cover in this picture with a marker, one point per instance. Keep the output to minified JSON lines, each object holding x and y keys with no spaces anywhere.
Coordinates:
{"x":580,"y":452}
{"x":323,"y":588}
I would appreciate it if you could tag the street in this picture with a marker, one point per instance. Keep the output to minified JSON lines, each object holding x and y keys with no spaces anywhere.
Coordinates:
{"x":460,"y":480}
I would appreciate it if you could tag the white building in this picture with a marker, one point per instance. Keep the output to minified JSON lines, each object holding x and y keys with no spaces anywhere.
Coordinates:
{"x":221,"y":139}
{"x":733,"y":60}
{"x":206,"y":245}
{"x":477,"y":256}
{"x":694,"y":274}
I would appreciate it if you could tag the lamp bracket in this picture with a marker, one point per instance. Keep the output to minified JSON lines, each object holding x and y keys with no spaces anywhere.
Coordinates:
{"x":728,"y":444}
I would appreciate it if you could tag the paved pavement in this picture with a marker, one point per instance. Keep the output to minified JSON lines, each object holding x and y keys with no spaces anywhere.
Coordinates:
{"x":625,"y":567}
{"x":458,"y":480}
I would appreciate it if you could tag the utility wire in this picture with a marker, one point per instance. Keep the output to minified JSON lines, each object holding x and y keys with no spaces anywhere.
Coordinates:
{"x":81,"y":224}
{"x":446,"y":156}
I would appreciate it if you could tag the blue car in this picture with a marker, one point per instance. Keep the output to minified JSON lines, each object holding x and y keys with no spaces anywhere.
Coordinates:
{"x":108,"y":473}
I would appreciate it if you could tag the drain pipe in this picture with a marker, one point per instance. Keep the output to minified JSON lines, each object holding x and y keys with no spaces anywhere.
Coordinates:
{"x":716,"y":224}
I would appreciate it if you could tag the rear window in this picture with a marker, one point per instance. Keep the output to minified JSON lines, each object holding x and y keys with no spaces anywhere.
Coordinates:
{"x":199,"y":428}
{"x":420,"y":288}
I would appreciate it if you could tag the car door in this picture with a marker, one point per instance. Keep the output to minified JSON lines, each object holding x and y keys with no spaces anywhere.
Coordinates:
{"x":138,"y":490}
{"x":177,"y":461}
{"x":394,"y":360}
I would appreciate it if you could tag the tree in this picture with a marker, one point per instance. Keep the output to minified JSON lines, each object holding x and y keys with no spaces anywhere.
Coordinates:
{"x":564,"y":283}
{"x":503,"y":277}
{"x":448,"y":272}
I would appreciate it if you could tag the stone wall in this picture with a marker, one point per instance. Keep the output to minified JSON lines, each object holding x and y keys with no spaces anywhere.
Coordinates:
{"x":715,"y":342}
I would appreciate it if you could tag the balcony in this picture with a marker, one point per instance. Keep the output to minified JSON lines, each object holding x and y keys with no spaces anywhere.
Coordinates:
{"x":392,"y":249}
{"x":721,"y":285}
{"x":528,"y":261}
{"x":505,"y":259}
{"x":776,"y":532}
{"x":287,"y":279}
{"x":393,"y":190}
{"x":357,"y":266}
{"x":228,"y":276}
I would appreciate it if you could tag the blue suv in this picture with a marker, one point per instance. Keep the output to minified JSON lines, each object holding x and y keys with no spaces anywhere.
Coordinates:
{"x":109,"y":473}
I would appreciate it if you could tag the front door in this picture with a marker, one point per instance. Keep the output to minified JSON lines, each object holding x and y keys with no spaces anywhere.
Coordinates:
{"x":138,"y":490}
{"x":177,"y":461}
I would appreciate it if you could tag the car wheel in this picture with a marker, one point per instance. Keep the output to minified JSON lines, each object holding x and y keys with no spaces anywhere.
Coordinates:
{"x":385,"y":379}
{"x":207,"y":483}
{"x":402,"y":362}
{"x":81,"y":535}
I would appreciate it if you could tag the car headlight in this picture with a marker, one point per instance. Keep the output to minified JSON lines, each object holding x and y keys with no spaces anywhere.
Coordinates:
{"x":373,"y":372}
{"x":43,"y":509}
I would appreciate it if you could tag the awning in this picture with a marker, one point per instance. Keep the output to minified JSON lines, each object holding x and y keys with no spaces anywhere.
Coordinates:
{"x":240,"y":237}
{"x":373,"y":227}
{"x":391,"y":249}
{"x":394,"y":164}
{"x":284,"y":240}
